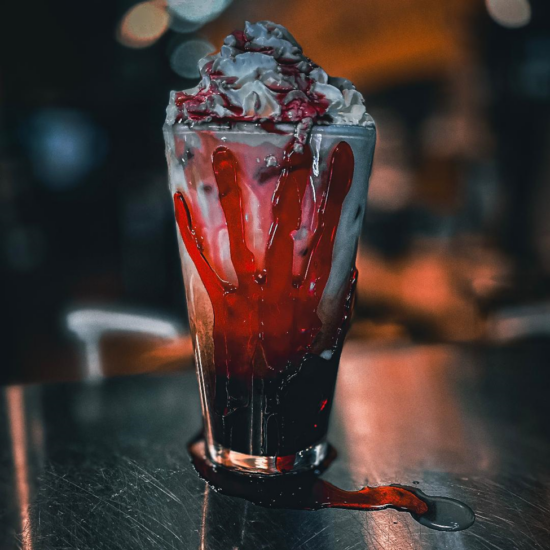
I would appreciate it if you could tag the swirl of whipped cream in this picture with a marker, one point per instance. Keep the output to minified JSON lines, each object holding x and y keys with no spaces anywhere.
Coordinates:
{"x":261,"y":74}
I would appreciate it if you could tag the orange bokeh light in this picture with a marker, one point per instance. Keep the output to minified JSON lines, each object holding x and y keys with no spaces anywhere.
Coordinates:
{"x":143,"y":24}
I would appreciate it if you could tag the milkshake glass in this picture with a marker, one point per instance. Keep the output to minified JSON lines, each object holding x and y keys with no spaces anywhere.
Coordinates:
{"x":268,"y":237}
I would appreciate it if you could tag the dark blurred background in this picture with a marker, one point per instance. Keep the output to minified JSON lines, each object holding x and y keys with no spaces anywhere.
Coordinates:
{"x":456,"y":245}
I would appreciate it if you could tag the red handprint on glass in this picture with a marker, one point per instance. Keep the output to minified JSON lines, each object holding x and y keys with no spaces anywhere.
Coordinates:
{"x":270,"y":313}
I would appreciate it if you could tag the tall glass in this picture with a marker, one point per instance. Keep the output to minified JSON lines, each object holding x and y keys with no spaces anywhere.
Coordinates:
{"x":268,"y":240}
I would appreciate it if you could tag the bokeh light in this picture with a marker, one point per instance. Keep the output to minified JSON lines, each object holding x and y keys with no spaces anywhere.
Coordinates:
{"x":509,"y":13}
{"x":197,"y":11}
{"x":182,"y":26}
{"x":64,"y":146}
{"x":185,"y":56}
{"x":143,"y":24}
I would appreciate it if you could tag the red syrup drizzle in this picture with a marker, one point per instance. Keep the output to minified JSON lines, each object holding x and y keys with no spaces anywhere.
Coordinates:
{"x":197,"y":108}
{"x":308,"y":105}
{"x":308,"y":491}
{"x":270,"y":313}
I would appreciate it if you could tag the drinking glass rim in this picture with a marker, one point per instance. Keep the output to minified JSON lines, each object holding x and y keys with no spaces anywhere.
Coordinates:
{"x":255,"y":128}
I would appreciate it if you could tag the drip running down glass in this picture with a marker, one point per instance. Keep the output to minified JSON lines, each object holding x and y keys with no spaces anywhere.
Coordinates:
{"x":268,"y":239}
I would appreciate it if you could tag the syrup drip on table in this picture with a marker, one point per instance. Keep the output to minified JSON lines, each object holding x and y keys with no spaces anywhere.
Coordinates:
{"x":270,"y":313}
{"x":307,"y":491}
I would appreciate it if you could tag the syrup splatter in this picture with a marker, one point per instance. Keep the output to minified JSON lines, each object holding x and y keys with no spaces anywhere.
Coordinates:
{"x":308,"y":491}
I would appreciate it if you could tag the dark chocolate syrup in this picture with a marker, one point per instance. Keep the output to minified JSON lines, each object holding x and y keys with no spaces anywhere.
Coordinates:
{"x":308,"y":491}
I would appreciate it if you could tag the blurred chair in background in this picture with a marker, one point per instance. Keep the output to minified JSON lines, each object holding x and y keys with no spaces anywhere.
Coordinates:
{"x":138,"y":342}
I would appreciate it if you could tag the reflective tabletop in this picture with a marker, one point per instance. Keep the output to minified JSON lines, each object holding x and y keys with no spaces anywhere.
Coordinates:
{"x":103,"y":465}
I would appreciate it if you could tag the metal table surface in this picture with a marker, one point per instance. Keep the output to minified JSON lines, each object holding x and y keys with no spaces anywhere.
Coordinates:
{"x":104,"y":465}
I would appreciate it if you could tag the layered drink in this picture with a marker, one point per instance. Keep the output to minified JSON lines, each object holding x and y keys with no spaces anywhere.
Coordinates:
{"x":269,"y":161}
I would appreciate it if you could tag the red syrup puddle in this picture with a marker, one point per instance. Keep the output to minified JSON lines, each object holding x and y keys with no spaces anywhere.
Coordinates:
{"x":270,"y":311}
{"x":307,"y":491}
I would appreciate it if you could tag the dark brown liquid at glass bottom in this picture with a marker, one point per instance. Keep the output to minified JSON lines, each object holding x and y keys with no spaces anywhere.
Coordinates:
{"x":307,"y":491}
{"x":295,"y":408}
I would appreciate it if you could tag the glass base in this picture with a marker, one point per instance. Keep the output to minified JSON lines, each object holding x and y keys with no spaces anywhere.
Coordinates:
{"x":269,"y":465}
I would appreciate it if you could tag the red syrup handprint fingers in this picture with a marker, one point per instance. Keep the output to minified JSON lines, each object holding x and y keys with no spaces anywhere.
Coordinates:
{"x":270,"y":316}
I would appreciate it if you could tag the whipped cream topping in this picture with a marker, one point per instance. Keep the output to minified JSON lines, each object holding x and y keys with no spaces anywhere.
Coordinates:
{"x":261,"y":74}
